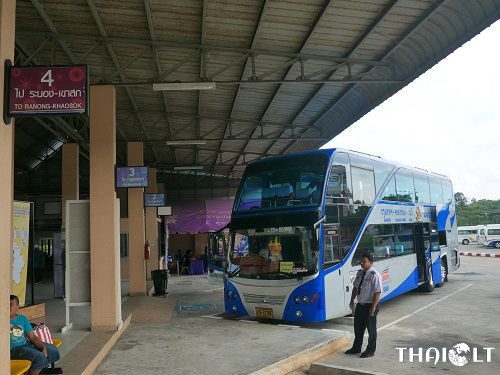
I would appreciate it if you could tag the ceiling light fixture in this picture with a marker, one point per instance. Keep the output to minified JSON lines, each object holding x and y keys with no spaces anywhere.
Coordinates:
{"x":188,"y":168}
{"x":186,"y":142}
{"x":172,"y":86}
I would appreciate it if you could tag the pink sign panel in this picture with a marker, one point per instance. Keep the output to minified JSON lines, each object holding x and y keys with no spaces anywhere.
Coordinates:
{"x":47,"y":90}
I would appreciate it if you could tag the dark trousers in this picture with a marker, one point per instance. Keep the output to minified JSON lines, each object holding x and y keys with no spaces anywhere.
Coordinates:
{"x":363,"y":320}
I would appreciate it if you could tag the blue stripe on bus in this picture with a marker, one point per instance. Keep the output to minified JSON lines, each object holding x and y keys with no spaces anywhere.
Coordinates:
{"x":236,"y":302}
{"x":436,"y":271}
{"x":411,"y":282}
{"x":311,"y":311}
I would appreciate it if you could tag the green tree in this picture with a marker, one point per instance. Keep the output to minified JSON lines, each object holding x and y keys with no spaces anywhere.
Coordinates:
{"x":460,"y":200}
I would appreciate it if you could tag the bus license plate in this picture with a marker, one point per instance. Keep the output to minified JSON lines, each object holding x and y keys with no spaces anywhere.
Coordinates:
{"x":264,"y":312}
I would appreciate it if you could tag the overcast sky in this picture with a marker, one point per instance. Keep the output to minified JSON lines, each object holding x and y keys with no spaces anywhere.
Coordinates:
{"x":446,"y":121}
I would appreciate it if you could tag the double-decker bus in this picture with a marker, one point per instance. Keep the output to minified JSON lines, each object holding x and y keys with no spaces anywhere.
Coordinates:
{"x":301,"y":222}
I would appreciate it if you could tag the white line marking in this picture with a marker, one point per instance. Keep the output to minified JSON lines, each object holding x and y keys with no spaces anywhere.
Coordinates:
{"x":422,"y":308}
{"x":333,"y":330}
{"x":288,"y":325}
{"x":212,"y":317}
{"x":248,"y":321}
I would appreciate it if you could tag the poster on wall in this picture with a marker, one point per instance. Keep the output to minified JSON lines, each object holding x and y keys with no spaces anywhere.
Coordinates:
{"x":20,"y":245}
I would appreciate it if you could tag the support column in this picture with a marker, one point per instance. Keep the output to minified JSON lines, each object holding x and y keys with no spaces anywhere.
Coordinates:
{"x":104,"y":214}
{"x":7,"y":31}
{"x":136,"y":235}
{"x":70,"y":175}
{"x":152,"y":226}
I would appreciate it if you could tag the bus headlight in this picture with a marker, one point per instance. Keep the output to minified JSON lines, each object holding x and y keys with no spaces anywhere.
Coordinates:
{"x":297,"y":300}
{"x":298,"y":314}
{"x":305,"y":299}
{"x":235,"y":308}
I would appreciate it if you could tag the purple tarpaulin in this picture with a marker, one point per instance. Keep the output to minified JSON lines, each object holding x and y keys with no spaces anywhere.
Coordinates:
{"x":200,"y":216}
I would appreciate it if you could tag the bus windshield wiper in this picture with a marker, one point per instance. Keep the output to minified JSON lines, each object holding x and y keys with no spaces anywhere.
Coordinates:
{"x":234,"y":273}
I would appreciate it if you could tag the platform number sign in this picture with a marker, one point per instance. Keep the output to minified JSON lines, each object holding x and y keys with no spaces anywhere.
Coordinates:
{"x":55,"y":90}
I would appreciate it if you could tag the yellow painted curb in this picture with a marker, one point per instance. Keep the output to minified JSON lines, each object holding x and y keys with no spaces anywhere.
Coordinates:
{"x":91,"y":367}
{"x":304,"y":358}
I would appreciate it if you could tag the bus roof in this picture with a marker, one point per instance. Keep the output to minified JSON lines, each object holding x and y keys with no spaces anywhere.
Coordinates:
{"x":330,"y":151}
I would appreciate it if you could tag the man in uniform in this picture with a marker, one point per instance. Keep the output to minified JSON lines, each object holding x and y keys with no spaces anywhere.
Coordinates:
{"x":367,"y":287}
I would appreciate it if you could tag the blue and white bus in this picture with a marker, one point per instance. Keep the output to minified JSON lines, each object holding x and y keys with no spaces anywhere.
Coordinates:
{"x":301,"y":222}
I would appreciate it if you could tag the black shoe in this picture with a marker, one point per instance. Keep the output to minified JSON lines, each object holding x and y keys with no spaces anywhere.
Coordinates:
{"x":53,"y":370}
{"x":366,"y":354}
{"x":352,"y":351}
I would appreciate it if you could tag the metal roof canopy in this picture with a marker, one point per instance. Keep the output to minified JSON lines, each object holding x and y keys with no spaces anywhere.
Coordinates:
{"x":290,"y":74}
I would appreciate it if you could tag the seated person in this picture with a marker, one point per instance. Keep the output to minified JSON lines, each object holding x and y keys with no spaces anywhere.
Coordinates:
{"x":24,"y":344}
{"x":266,"y":254}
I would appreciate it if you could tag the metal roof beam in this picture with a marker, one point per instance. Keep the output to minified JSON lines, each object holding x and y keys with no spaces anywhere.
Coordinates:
{"x":249,"y":55}
{"x":48,"y":22}
{"x":349,"y":53}
{"x":207,"y":47}
{"x":232,"y":120}
{"x":429,"y":12}
{"x":109,"y":48}
{"x":251,"y":81}
{"x":156,"y":55}
{"x":310,"y":32}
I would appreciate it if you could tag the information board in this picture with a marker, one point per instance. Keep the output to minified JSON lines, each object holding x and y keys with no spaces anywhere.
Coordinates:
{"x":154,"y":200}
{"x":54,"y":90}
{"x":132,"y":177}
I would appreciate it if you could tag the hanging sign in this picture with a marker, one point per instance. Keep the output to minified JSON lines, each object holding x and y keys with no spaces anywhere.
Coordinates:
{"x":154,"y":200}
{"x":132,"y":177}
{"x":52,"y":90}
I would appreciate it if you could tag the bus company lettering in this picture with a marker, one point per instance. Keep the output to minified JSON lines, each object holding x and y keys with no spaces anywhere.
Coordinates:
{"x":397,"y":215}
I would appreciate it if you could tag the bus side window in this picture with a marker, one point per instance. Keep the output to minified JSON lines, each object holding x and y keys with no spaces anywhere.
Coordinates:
{"x":404,"y":186}
{"x":339,"y":180}
{"x":390,"y":191}
{"x":422,"y":192}
{"x":436,"y":191}
{"x":447,"y":192}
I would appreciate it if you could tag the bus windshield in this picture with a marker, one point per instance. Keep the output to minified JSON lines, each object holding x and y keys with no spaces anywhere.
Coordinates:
{"x":292,"y":182}
{"x":274,"y":253}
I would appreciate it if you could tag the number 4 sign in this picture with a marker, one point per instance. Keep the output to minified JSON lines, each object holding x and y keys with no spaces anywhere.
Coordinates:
{"x":55,"y":90}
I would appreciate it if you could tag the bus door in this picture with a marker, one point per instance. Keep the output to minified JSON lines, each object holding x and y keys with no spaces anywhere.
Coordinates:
{"x":337,"y":283}
{"x":217,"y":254}
{"x":421,"y":237}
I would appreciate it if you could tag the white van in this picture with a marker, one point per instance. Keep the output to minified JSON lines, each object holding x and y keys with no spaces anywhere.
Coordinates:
{"x":492,"y":236}
{"x":467,"y":235}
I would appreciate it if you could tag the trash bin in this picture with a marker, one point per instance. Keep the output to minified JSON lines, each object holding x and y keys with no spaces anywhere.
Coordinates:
{"x":160,"y":280}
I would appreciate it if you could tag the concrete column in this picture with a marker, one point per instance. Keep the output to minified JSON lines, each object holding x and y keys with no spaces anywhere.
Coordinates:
{"x":152,"y":226}
{"x":136,"y":235}
{"x":160,"y":188}
{"x":7,"y":31}
{"x":104,"y":214}
{"x":70,"y":175}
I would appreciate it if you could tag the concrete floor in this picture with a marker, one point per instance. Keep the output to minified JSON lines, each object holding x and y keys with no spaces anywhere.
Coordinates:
{"x":464,"y":310}
{"x":198,"y":341}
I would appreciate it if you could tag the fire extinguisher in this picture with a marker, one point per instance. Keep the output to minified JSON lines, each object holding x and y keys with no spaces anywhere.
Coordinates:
{"x":147,"y":250}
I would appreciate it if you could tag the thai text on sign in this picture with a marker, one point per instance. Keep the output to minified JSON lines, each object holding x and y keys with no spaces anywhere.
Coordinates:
{"x":48,"y":90}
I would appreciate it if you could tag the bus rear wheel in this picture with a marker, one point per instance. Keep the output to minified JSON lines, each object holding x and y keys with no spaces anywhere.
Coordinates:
{"x":465,"y":242}
{"x":497,"y":245}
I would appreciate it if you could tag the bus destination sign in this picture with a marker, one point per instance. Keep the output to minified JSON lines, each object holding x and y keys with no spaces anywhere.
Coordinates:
{"x":54,"y":90}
